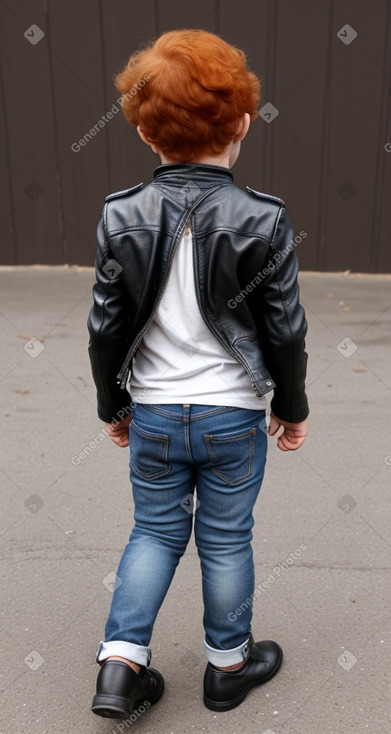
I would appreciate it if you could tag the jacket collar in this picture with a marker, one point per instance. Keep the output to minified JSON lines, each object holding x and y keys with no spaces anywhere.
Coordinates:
{"x":201,"y":174}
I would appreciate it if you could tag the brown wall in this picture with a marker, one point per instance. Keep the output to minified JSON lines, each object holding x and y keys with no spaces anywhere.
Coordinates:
{"x":325,"y":153}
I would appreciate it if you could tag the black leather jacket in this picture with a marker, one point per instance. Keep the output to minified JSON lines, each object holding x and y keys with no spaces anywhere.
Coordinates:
{"x":245,"y":270}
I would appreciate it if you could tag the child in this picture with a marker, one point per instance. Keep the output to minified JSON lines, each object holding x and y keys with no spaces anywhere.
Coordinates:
{"x":196,"y":312}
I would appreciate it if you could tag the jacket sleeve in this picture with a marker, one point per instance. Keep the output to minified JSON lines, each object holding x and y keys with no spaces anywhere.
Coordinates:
{"x":283,"y":326}
{"x":108,"y":326}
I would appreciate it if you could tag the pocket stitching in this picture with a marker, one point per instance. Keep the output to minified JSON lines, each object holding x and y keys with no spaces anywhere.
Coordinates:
{"x":251,"y":433}
{"x":157,"y":437}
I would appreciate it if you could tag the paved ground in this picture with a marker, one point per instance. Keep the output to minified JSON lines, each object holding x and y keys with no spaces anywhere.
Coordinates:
{"x":63,"y":526}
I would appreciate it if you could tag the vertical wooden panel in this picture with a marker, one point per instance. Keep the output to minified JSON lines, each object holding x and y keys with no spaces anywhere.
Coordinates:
{"x":301,"y":79}
{"x":79,"y":102}
{"x":253,"y":35}
{"x":126,"y":26}
{"x":379,"y":244}
{"x":173,"y":14}
{"x":354,"y":112}
{"x":8,"y":245}
{"x":29,"y":134}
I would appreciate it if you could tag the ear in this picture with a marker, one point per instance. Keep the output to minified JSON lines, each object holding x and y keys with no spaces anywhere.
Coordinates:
{"x":242,"y":128}
{"x":145,"y":139}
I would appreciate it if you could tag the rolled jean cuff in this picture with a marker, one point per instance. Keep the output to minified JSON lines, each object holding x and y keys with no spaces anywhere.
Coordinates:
{"x":136,"y":653}
{"x":224,"y":658}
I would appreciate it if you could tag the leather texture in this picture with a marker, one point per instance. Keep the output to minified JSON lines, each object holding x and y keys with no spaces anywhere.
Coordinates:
{"x":245,"y":270}
{"x":224,"y":690}
{"x":120,"y":690}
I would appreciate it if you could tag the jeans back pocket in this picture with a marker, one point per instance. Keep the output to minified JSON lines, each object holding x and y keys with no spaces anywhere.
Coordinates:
{"x":149,"y":452}
{"x":232,"y":457}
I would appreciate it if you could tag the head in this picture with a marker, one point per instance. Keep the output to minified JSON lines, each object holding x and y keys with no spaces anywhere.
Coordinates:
{"x":191,"y":96}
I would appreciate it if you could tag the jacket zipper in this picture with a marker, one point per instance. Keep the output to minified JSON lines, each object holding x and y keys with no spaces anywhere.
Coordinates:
{"x":216,"y":333}
{"x":124,"y":373}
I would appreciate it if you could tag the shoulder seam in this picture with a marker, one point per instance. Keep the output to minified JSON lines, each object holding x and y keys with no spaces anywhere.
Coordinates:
{"x":125,"y":192}
{"x":268,"y":197}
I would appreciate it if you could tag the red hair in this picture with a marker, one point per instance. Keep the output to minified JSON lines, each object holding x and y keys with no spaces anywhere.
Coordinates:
{"x":187,"y":91}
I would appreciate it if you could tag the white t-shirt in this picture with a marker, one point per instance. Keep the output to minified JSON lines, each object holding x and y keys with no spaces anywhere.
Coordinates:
{"x":179,"y":360}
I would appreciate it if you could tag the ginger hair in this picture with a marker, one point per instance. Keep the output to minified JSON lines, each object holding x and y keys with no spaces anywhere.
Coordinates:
{"x":187,"y":91}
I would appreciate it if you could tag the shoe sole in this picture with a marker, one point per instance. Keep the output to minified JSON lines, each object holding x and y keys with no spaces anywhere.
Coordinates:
{"x":114,"y":707}
{"x":228,"y":705}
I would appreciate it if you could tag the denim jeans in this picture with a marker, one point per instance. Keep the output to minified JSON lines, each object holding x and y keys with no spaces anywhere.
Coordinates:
{"x":174,"y":450}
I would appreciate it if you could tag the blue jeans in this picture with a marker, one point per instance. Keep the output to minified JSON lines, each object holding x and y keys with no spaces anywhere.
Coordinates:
{"x":174,"y":450}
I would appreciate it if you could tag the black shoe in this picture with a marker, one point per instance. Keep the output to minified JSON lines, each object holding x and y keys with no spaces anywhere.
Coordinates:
{"x":226,"y":689}
{"x":120,"y":690}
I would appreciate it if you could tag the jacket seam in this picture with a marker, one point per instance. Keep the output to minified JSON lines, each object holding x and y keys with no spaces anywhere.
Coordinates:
{"x":155,"y":185}
{"x":286,"y":311}
{"x":251,"y":338}
{"x":138,"y":228}
{"x":208,"y":184}
{"x":235,"y":230}
{"x":104,"y":253}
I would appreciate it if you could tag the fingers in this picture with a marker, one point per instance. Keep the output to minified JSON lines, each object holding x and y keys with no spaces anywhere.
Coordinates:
{"x":119,"y":432}
{"x":289,"y":441}
{"x":122,"y":440}
{"x":293,"y":434}
{"x":273,"y":426}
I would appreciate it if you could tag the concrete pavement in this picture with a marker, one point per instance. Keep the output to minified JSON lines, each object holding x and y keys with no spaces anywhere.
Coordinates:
{"x":65,"y":518}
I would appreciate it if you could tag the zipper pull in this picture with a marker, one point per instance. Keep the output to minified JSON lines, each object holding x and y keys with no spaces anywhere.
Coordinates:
{"x":122,"y":378}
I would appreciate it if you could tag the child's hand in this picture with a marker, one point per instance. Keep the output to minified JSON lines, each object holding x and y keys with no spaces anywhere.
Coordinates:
{"x":293,"y":435}
{"x":119,"y":432}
